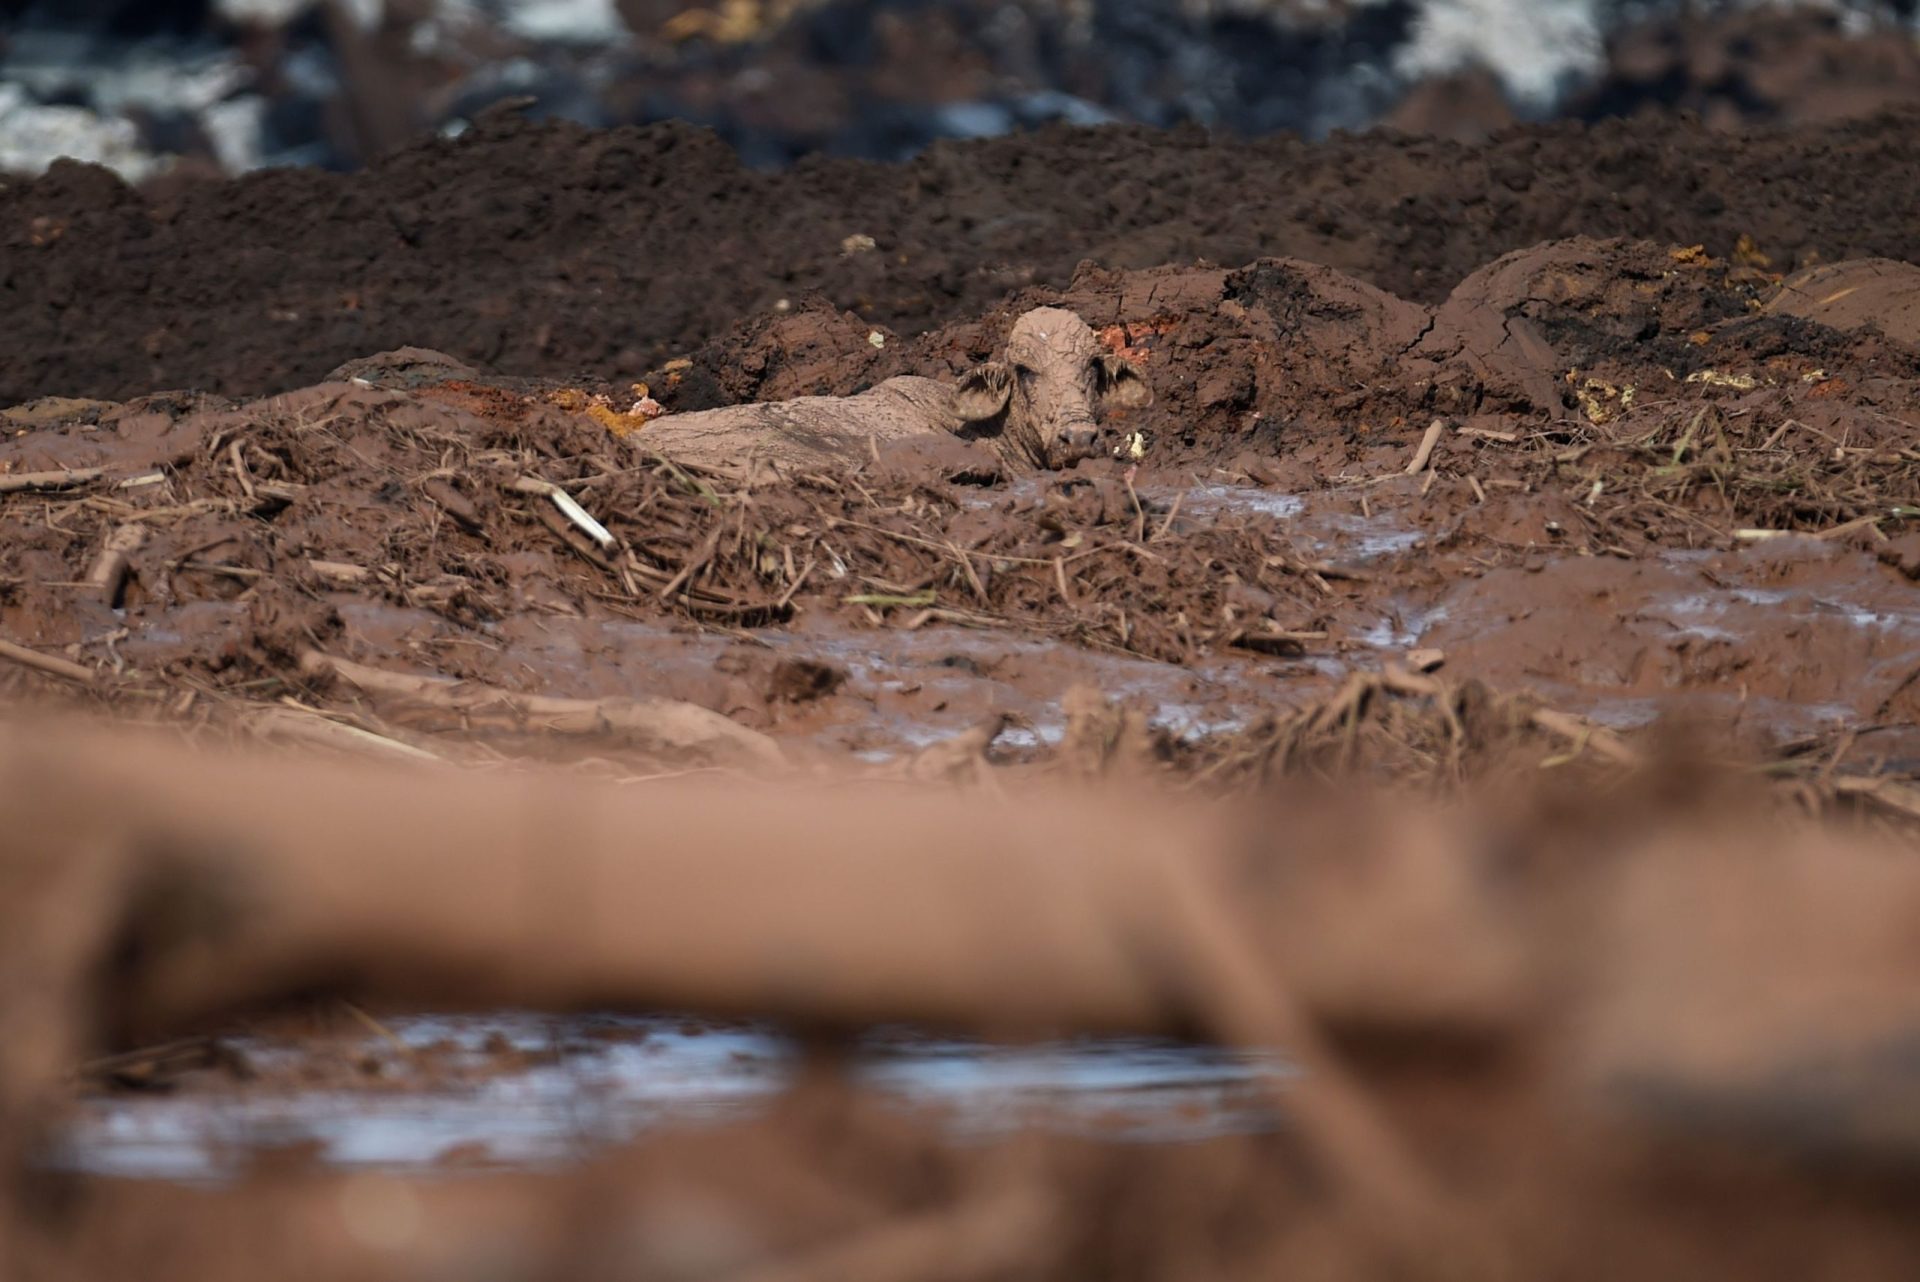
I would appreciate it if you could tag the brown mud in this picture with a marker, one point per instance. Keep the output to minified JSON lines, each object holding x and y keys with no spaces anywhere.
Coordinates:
{"x":1592,"y":1022}
{"x":1654,"y":479}
{"x":1606,"y":544}
{"x":557,"y":251}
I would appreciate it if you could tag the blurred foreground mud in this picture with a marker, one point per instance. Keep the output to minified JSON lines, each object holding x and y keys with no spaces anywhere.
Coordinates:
{"x":1639,"y":1018}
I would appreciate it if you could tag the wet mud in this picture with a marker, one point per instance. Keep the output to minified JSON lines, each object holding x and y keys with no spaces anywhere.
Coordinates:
{"x":1656,"y":479}
{"x":1608,"y":543}
{"x":463,"y":1093}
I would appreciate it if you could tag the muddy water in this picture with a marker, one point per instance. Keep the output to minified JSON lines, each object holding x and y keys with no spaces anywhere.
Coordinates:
{"x":463,"y":1092}
{"x":1789,"y":640}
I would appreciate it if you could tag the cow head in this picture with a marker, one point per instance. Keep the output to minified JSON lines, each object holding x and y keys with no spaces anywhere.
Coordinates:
{"x":1047,"y":389}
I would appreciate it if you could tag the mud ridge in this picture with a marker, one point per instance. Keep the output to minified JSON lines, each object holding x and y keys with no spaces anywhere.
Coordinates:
{"x":559,"y":251}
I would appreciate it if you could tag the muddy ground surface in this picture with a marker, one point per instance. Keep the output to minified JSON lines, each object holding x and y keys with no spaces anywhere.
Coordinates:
{"x":556,"y":251}
{"x":1659,"y":482}
{"x":1424,"y":513}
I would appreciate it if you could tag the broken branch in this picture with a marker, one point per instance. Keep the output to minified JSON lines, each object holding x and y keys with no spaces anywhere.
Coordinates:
{"x":1423,"y":454}
{"x":659,"y":725}
{"x":47,"y":663}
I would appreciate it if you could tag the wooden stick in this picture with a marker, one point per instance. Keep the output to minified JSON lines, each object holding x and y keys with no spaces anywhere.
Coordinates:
{"x":47,"y":663}
{"x":1858,"y":523}
{"x":339,"y":571}
{"x":236,"y":453}
{"x":108,"y":577}
{"x":1424,"y":453}
{"x":568,"y":508}
{"x":64,"y":479}
{"x":1599,"y":738}
{"x":659,"y":725}
{"x":312,"y":728}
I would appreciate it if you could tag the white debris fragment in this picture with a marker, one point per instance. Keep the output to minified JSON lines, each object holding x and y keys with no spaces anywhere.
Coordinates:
{"x":261,"y":13}
{"x":237,"y":131}
{"x":1535,"y":48}
{"x":565,"y":21}
{"x":33,"y":137}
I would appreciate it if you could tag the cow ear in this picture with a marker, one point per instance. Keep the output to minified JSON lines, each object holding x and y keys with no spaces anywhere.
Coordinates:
{"x":983,"y":392}
{"x":1120,"y":383}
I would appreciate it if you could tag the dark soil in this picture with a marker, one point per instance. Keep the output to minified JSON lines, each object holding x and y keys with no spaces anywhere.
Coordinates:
{"x":554,"y":250}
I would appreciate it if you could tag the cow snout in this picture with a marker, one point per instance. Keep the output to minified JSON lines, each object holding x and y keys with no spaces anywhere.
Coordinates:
{"x":1079,"y":441}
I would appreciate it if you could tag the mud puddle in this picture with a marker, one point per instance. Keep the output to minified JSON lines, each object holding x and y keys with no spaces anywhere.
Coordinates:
{"x":450,"y":1093}
{"x":1757,"y":637}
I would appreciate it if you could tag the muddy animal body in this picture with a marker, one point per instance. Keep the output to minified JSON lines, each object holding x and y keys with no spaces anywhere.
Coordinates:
{"x":1036,"y":408}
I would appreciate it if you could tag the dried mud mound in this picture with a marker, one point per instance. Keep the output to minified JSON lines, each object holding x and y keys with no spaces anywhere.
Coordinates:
{"x":554,"y":250}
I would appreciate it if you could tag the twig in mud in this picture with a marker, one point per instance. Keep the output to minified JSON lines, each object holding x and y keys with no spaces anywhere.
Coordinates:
{"x":694,"y":565}
{"x":453,"y":503}
{"x":64,"y":479}
{"x":961,"y":618}
{"x":1131,"y":549}
{"x":891,"y":598}
{"x":378,"y":1029}
{"x":65,"y":669}
{"x":568,"y":508}
{"x":584,"y":547}
{"x":1139,"y":512}
{"x":128,"y":512}
{"x":973,"y":578}
{"x":108,"y":577}
{"x":1584,"y":734}
{"x":339,"y":571}
{"x":686,"y":479}
{"x":1167,"y":522}
{"x":834,"y":522}
{"x":1858,"y":523}
{"x":1901,"y":798}
{"x":1786,"y":425}
{"x":190,"y":1052}
{"x":798,"y":581}
{"x":236,"y":454}
{"x":244,"y":573}
{"x":303,"y":726}
{"x":1424,"y":452}
{"x":658,"y":724}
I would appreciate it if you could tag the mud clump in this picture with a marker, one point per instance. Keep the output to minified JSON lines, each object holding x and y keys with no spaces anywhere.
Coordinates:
{"x":558,"y":251}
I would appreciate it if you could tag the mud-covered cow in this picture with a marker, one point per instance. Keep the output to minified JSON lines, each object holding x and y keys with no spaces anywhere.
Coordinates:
{"x":1036,"y":407}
